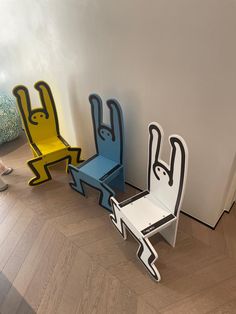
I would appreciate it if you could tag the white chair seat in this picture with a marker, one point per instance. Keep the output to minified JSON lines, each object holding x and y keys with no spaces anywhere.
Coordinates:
{"x":147,"y":214}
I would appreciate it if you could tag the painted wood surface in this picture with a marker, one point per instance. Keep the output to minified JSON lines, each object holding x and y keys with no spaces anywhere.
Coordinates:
{"x":157,"y":208}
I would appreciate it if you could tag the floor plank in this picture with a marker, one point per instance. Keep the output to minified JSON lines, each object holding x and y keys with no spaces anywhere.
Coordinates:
{"x":59,"y":253}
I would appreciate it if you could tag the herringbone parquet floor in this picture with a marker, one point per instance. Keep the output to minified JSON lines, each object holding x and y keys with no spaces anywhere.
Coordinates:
{"x":60,"y":254}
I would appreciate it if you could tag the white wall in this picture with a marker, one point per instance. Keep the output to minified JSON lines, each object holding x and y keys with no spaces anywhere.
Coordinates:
{"x":171,"y":61}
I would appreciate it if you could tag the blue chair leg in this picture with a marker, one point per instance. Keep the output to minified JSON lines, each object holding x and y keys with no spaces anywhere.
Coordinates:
{"x":106,"y":194}
{"x":76,"y":184}
{"x":119,"y":181}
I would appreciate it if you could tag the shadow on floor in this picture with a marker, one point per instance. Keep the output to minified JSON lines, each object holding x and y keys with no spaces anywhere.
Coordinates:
{"x":10,"y":299}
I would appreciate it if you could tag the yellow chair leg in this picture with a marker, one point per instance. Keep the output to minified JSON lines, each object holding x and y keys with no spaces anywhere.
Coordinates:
{"x":39,"y":168}
{"x":74,"y":153}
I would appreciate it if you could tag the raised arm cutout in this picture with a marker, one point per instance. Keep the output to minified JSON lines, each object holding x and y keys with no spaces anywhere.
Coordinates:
{"x":97,"y":114}
{"x":47,"y":102}
{"x":155,"y":137}
{"x":178,"y":165}
{"x":23,"y":100}
{"x":116,"y":123}
{"x":108,"y":137}
{"x":22,"y":95}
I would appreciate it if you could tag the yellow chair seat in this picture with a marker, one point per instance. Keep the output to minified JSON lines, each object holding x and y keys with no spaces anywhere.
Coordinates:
{"x":50,"y":145}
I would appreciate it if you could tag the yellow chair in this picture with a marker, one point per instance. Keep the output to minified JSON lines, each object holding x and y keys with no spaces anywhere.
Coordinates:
{"x":42,"y":129}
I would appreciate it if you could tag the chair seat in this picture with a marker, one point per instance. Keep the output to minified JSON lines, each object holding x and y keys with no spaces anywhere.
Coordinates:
{"x":99,"y":167}
{"x":50,"y":145}
{"x":147,"y":214}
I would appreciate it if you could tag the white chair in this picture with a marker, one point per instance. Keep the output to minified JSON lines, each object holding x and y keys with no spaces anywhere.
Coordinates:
{"x":156,"y":209}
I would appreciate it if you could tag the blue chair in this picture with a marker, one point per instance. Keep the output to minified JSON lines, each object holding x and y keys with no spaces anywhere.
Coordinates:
{"x":104,"y":171}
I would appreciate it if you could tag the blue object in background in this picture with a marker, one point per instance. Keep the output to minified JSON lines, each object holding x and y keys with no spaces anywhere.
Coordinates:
{"x":104,"y":171}
{"x":10,"y":122}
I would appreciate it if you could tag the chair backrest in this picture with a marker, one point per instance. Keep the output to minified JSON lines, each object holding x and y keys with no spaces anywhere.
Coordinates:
{"x":167,"y":181}
{"x":108,"y":138}
{"x":42,"y":122}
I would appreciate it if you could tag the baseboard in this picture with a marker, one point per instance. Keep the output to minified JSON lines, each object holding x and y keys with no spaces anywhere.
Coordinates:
{"x":228,"y":210}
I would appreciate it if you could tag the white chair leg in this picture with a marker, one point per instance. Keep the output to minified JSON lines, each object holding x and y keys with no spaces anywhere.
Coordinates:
{"x":170,"y":233}
{"x":116,"y":218}
{"x":147,"y":255}
{"x":146,"y":252}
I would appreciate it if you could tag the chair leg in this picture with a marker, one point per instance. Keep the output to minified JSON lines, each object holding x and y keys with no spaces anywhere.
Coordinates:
{"x":40,"y":170}
{"x":146,"y":252}
{"x":74,"y":153}
{"x":147,"y":255}
{"x":116,"y":219}
{"x":122,"y":181}
{"x":76,"y":184}
{"x":106,"y":194}
{"x":169,"y":233}
{"x":119,"y":181}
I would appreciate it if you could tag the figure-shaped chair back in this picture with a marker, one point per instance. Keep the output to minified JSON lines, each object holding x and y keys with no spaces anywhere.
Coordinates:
{"x":41,"y":122}
{"x":166,"y":181}
{"x":108,"y":138}
{"x":42,"y":129}
{"x":103,"y":171}
{"x":157,"y":208}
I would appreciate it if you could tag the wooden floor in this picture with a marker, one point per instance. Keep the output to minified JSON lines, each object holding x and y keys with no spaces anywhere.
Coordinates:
{"x":59,"y":253}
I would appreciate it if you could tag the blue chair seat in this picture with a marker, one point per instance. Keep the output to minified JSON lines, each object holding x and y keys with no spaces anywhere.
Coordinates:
{"x":99,"y":167}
